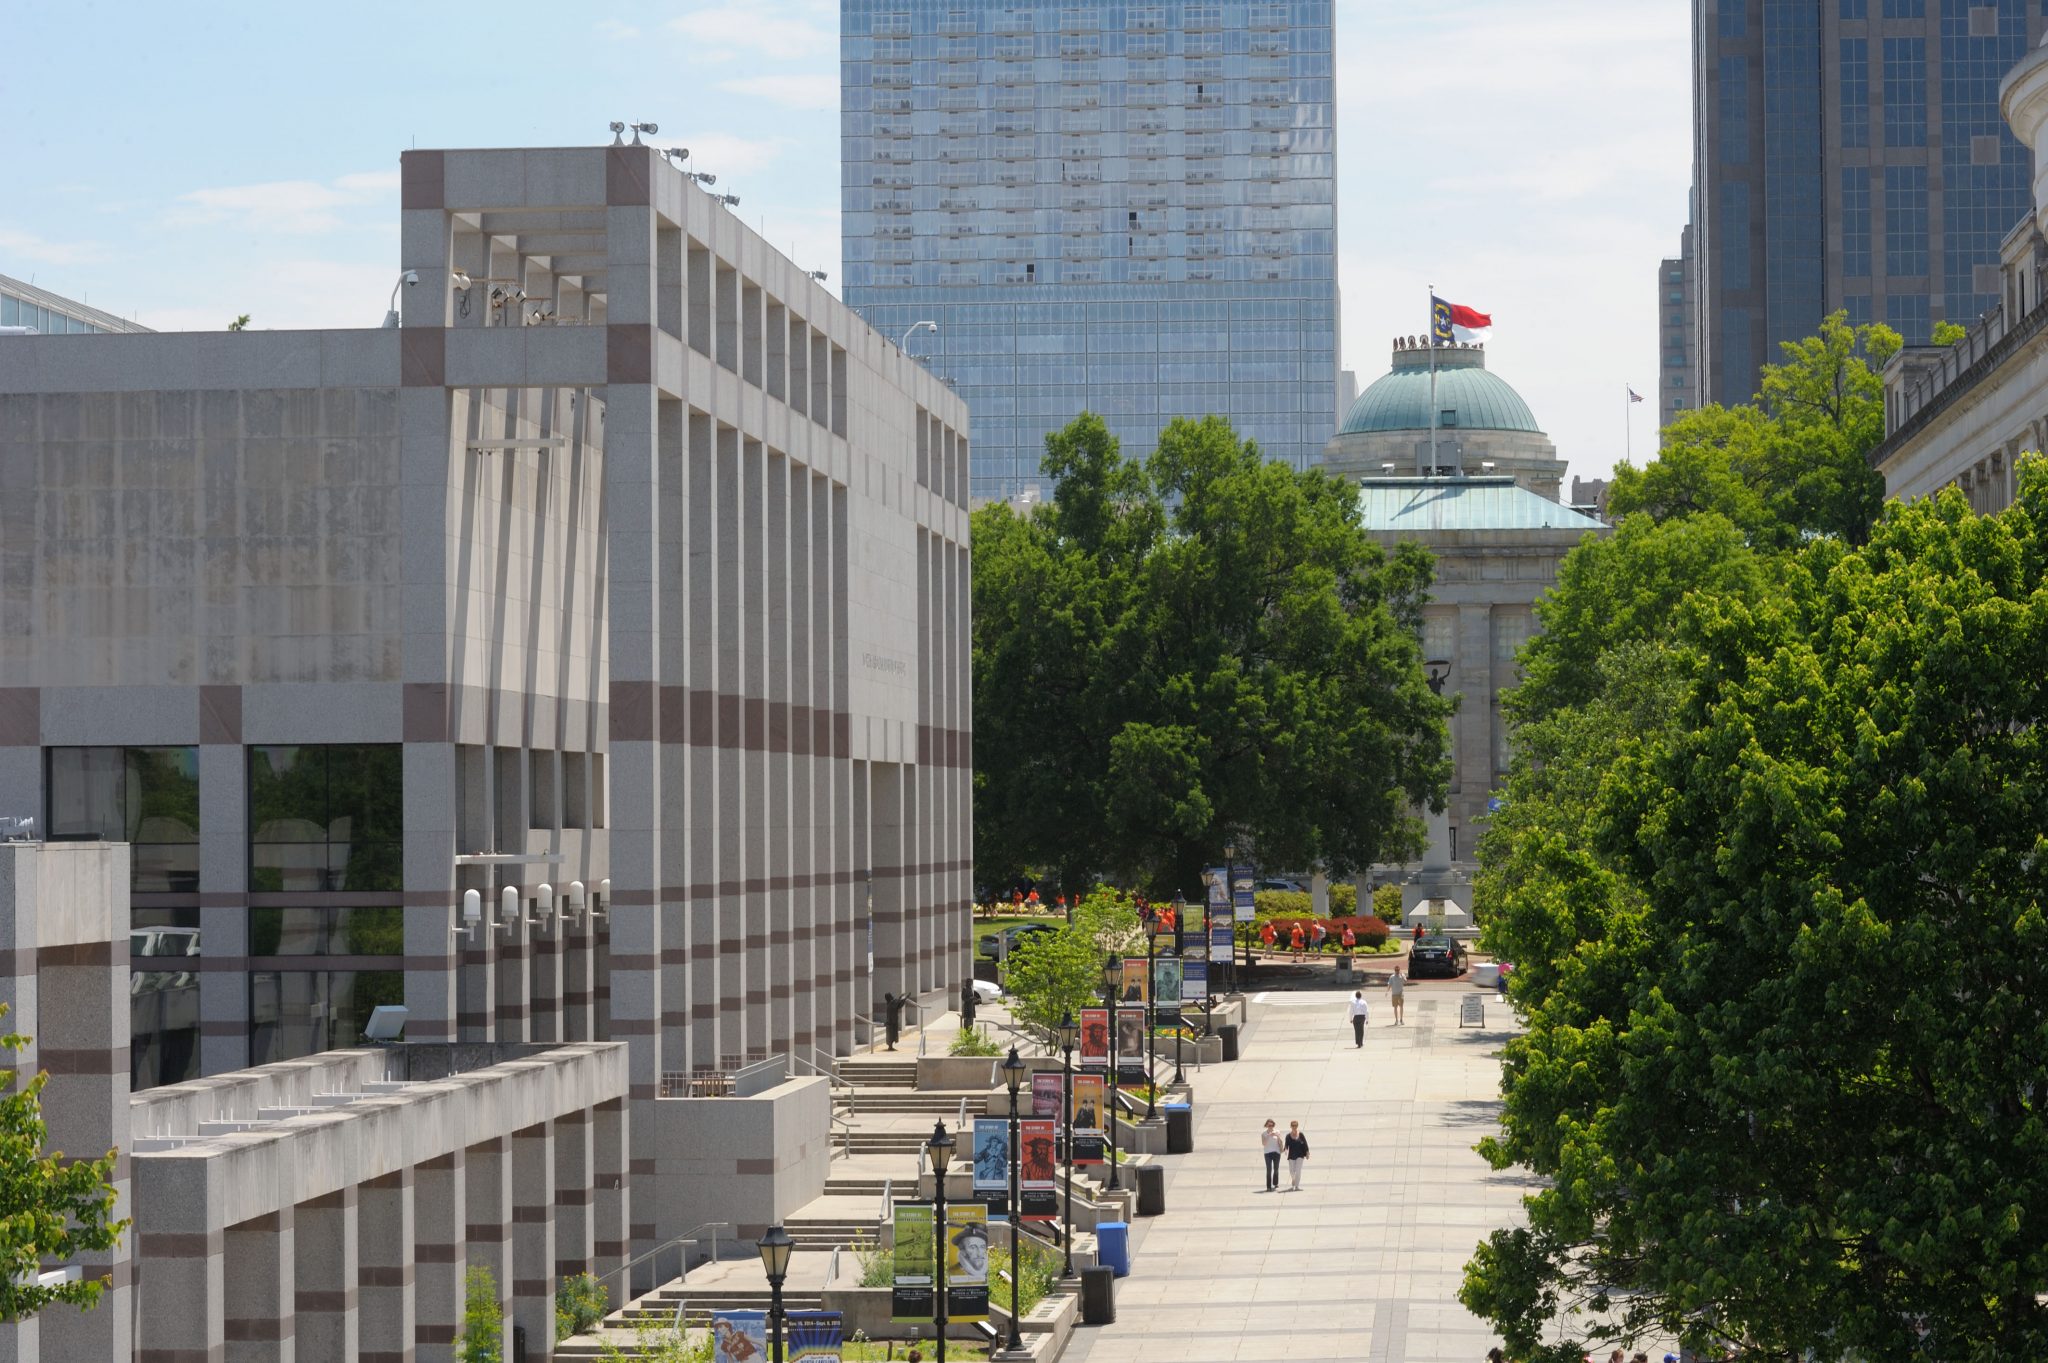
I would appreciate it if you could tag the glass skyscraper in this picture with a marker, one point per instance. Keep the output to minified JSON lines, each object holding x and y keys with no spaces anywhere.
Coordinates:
{"x":1127,"y":208}
{"x":1848,"y":154}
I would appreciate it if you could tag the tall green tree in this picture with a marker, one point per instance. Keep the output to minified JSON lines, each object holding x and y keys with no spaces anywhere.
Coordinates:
{"x":1200,"y":646}
{"x":51,"y":1208}
{"x":1786,"y":979}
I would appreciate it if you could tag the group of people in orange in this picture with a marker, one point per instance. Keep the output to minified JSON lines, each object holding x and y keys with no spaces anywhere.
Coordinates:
{"x":1299,"y":941}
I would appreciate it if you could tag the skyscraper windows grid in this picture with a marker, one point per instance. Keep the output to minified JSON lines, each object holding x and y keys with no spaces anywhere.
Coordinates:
{"x":1146,"y":230}
{"x":1856,"y":223}
{"x":1855,"y":97}
{"x":1905,"y":92}
{"x":1905,"y":223}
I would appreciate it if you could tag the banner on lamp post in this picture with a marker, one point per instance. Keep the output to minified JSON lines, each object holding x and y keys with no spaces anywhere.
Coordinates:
{"x":1094,"y":1038}
{"x":966,"y":1263}
{"x":1194,"y":982}
{"x":739,"y":1336}
{"x":1167,"y":977}
{"x":992,"y":1162}
{"x":1046,"y":1095}
{"x":1035,"y":1172}
{"x":816,"y":1336}
{"x":910,"y":1296}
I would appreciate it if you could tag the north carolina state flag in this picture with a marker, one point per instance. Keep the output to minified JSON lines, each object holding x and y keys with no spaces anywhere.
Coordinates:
{"x":1456,"y":322}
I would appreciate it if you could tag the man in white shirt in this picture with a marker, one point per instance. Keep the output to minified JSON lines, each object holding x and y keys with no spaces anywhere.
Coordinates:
{"x":1360,"y":1013}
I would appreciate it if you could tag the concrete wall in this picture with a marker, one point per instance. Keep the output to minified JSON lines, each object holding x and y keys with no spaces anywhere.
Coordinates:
{"x":748,"y":1161}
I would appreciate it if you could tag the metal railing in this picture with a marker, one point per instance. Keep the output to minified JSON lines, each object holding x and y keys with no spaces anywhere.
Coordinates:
{"x":683,"y":1265}
{"x":910,"y":1002}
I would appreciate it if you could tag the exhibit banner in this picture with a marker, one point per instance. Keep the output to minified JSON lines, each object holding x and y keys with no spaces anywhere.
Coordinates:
{"x":1088,"y":1097}
{"x":1130,"y":1046}
{"x":910,"y":1296}
{"x":1246,"y":909}
{"x":1095,"y":1038}
{"x":966,"y":1263}
{"x":1035,"y":1175}
{"x":991,"y":1154}
{"x":816,"y":1336}
{"x":1194,"y":983}
{"x":1134,"y":981}
{"x":1046,"y":1094}
{"x":1166,"y":985}
{"x":739,"y":1336}
{"x":1222,"y":946}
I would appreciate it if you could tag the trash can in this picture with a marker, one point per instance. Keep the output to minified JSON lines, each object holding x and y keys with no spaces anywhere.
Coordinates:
{"x":1113,"y":1246}
{"x":1180,"y":1128}
{"x":1098,"y":1296}
{"x":1151,"y":1189}
{"x":1228,"y":1031}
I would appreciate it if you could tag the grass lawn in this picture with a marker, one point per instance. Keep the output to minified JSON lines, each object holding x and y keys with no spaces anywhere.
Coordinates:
{"x":881,"y":1350}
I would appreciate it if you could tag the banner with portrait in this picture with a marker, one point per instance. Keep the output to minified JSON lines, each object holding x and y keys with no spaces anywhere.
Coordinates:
{"x":1047,"y":1093}
{"x":739,"y":1337}
{"x":1134,"y":981}
{"x":1095,"y":1038}
{"x":1088,"y":1131}
{"x":1130,"y":1046}
{"x":910,"y":1296}
{"x":1194,"y":982}
{"x":966,"y":1263}
{"x":1166,"y":986}
{"x":816,"y":1336}
{"x":992,"y":1162}
{"x":1036,"y":1172}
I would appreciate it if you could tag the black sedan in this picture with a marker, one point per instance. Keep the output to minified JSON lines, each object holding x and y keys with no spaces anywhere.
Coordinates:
{"x":997,"y":946}
{"x":1437,"y":956}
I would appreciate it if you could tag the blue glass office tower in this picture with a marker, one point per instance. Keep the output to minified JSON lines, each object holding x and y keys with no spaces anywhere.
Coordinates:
{"x":1123,"y":207}
{"x":1848,"y":154}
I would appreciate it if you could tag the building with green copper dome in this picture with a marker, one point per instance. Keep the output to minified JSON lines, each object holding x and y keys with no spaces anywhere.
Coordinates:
{"x":1483,"y":426}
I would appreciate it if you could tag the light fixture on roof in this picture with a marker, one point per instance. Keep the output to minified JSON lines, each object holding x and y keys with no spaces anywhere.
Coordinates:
{"x":818,"y":275}
{"x":649,"y":128}
{"x":1486,"y":465}
{"x":702,"y":177}
{"x":729,"y":200}
{"x":1387,"y":469}
{"x":618,"y":133}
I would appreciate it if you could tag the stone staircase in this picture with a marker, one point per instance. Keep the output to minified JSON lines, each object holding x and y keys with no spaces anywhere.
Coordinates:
{"x":878,"y":1072}
{"x":887,"y":1142}
{"x":925,"y":1102}
{"x":659,"y":1306}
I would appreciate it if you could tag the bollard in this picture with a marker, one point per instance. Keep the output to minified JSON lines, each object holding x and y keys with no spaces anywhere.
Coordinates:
{"x":1098,"y":1296}
{"x":1228,"y":1031}
{"x":1151,"y":1189}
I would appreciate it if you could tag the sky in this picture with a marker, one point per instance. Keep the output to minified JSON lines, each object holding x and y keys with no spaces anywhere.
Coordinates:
{"x":184,"y":164}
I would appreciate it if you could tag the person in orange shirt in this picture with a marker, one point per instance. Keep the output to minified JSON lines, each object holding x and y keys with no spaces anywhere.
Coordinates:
{"x":1349,"y":939}
{"x":1294,"y":940}
{"x":1268,"y":935}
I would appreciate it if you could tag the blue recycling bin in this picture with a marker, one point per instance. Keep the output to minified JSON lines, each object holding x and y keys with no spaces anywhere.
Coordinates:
{"x":1113,"y":1246}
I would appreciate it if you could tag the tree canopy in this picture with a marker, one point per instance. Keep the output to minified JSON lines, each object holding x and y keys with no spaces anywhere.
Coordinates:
{"x":1770,"y":868}
{"x":1198,"y":646}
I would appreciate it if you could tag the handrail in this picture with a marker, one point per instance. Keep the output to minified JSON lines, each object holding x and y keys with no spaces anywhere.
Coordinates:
{"x":1023,"y":1033}
{"x":685,"y":1238}
{"x":830,"y":1076}
{"x":911,"y":1002}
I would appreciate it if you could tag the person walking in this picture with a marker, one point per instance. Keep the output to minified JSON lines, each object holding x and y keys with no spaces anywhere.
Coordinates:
{"x":1318,"y":933}
{"x":1360,"y":1014}
{"x":1297,"y":1155}
{"x":1349,"y":939}
{"x":1294,"y":940}
{"x":1268,"y":935}
{"x":1500,"y":980}
{"x":1397,"y":984}
{"x":1269,"y":1139}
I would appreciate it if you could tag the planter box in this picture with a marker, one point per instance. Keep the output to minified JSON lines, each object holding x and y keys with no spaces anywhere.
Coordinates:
{"x":955,"y":1071}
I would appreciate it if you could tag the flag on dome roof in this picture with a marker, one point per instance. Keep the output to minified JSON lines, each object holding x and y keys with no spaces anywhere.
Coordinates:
{"x":1456,"y":322}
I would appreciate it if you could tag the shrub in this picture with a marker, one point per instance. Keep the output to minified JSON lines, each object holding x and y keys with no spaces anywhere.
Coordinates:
{"x":973,"y":1041}
{"x":579,"y":1304}
{"x":1386,"y":902}
{"x":1040,"y":1273}
{"x":483,"y":1319}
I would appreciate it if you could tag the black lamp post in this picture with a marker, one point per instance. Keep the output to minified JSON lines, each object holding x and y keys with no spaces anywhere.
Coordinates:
{"x":1151,"y":1017}
{"x":1112,"y":983}
{"x":1180,"y":909}
{"x":1014,"y":1070}
{"x":775,"y":1247}
{"x":940,"y":1148}
{"x":1070,"y":1032}
{"x":1230,"y":902}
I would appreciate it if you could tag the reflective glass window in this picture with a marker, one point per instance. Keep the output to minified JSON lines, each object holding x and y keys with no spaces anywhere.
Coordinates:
{"x":147,"y":797}
{"x":163,"y":996}
{"x":326,"y":931}
{"x":303,"y":1012}
{"x":325,"y":817}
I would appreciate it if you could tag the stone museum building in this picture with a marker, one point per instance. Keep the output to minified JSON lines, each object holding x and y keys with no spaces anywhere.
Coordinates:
{"x":582,"y":656}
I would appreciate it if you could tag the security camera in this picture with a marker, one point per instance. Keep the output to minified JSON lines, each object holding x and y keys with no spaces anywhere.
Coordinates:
{"x":412,"y":276}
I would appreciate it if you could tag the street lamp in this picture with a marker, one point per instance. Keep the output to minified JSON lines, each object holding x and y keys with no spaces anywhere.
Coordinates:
{"x":1180,"y":939}
{"x":1230,"y":903}
{"x":775,"y":1247}
{"x":1014,"y":1069}
{"x":1151,"y":1014}
{"x":1112,"y":980}
{"x":1070,"y":1032}
{"x":940,"y":1148}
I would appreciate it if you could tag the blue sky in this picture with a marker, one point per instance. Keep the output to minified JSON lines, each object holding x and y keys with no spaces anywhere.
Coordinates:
{"x":182,"y":164}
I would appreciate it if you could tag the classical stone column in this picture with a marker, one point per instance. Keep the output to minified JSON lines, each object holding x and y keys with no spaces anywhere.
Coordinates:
{"x":326,"y":1267}
{"x":259,"y":1290}
{"x":385,"y":1278}
{"x":440,"y":1230}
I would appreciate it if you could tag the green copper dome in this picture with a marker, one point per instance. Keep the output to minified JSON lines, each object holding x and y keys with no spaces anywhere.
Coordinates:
{"x":1399,"y":401}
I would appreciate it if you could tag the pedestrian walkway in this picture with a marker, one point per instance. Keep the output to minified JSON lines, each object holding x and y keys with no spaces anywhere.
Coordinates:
{"x":1364,"y":1263}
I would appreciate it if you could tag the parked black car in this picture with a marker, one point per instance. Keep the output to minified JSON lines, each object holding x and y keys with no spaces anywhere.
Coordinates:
{"x":1440,"y":956}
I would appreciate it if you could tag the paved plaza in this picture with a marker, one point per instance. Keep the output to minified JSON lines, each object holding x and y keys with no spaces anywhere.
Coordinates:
{"x":1364,"y":1263}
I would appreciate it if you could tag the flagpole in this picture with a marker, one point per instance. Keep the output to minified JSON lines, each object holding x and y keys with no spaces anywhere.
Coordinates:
{"x":1431,"y":339}
{"x":1628,"y":426}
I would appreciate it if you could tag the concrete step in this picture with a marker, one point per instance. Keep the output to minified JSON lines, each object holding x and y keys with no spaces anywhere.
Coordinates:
{"x":938,"y":1103}
{"x":880,"y":1074}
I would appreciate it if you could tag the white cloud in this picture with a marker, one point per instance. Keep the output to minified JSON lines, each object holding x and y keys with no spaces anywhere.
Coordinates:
{"x":279,"y":294}
{"x":294,"y":207}
{"x":772,"y":28}
{"x":28,"y":246}
{"x":810,"y":92}
{"x":727,"y":155}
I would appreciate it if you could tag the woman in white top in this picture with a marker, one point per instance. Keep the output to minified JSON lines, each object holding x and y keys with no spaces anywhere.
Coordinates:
{"x":1396,"y":983}
{"x":1269,"y":1139}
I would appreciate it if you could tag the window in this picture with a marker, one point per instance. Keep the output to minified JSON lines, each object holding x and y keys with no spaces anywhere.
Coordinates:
{"x":1734,"y":110}
{"x":326,"y":817}
{"x":147,"y":797}
{"x":1910,"y":316}
{"x":1855,"y":9}
{"x":1855,"y":92}
{"x":1905,"y":91}
{"x":1439,"y":635}
{"x":1905,"y":221}
{"x":1734,"y":18}
{"x":1856,"y":222}
{"x":1735,"y":234}
{"x":163,"y":996}
{"x":1905,"y":9}
{"x":303,"y":1012}
{"x":327,"y":932}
